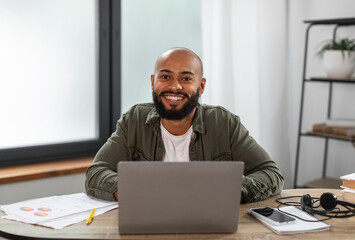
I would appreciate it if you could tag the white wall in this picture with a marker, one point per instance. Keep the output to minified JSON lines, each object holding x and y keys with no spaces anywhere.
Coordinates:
{"x":14,"y":192}
{"x":341,"y":154}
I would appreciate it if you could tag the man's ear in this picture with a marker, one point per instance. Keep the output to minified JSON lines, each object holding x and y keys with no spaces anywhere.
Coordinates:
{"x":152,"y":80}
{"x":202,"y":85}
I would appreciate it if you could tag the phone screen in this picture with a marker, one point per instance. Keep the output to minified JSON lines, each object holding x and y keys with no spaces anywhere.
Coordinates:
{"x":274,"y":215}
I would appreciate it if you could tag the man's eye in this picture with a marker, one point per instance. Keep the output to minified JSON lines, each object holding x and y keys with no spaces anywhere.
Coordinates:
{"x":186,"y":79}
{"x":165,"y":77}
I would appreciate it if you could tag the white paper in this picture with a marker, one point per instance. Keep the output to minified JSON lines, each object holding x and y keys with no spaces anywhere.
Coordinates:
{"x":345,"y":189}
{"x":297,"y":226}
{"x":57,"y":211}
{"x":350,"y":176}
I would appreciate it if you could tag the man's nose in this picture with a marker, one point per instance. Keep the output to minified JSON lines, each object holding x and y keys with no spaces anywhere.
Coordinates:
{"x":175,"y":85}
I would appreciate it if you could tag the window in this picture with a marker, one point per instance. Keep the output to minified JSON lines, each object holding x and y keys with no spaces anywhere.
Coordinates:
{"x":148,"y":29}
{"x":57,"y":91}
{"x":60,"y":61}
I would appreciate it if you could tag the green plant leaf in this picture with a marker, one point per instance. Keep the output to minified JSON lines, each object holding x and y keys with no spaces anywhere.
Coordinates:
{"x":343,"y":45}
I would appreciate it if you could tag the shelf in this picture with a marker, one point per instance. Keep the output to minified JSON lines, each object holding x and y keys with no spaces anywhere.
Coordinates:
{"x":324,"y":183}
{"x":333,"y":80}
{"x":338,"y":21}
{"x":328,"y":135}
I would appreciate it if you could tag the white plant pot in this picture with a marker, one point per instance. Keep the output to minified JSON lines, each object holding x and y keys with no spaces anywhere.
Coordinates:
{"x":339,"y":65}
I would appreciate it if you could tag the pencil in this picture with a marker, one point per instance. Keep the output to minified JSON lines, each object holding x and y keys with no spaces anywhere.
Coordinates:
{"x":89,"y":220}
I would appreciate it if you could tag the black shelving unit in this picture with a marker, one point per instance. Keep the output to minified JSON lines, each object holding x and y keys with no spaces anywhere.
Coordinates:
{"x":336,"y":23}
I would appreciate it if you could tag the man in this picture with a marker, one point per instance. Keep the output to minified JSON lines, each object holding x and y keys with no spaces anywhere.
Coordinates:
{"x":177,"y":128}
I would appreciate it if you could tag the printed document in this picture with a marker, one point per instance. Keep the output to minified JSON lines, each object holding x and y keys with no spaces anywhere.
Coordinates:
{"x":57,"y":211}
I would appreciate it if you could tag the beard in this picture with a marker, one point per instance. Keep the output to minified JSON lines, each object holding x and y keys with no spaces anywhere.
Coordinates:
{"x":173,"y":114}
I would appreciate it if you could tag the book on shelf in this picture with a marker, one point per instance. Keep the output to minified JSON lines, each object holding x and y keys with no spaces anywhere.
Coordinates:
{"x":340,"y":122}
{"x":336,"y":130}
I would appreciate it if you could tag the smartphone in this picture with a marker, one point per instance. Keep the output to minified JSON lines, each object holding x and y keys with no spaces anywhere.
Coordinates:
{"x":271,"y":216}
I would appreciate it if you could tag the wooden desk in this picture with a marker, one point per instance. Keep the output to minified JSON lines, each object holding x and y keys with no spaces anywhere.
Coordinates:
{"x":106,"y":226}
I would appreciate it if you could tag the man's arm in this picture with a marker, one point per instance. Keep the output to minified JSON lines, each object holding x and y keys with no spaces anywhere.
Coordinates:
{"x":262,"y":177}
{"x":101,"y":176}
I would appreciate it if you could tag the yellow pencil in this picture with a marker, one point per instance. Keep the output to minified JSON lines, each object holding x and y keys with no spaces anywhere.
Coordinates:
{"x":88,"y":221}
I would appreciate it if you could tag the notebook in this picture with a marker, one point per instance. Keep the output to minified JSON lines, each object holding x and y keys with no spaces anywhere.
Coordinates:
{"x":179,"y":197}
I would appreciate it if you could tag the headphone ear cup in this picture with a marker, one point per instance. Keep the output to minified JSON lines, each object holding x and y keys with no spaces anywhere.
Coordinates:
{"x":328,"y":201}
{"x":306,"y":203}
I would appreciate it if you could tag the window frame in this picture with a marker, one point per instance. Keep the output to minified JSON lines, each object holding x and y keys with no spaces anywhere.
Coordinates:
{"x":109,"y":102}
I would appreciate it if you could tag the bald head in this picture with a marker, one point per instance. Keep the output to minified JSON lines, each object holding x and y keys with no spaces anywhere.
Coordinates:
{"x":181,"y":56}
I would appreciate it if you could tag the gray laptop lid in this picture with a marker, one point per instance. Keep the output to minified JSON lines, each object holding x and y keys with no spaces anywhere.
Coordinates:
{"x":175,"y":197}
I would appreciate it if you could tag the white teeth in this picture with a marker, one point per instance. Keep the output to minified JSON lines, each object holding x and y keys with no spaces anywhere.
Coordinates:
{"x":173,"y":98}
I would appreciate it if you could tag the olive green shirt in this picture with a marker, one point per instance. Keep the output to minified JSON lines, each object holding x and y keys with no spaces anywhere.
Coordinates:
{"x":218,"y":136}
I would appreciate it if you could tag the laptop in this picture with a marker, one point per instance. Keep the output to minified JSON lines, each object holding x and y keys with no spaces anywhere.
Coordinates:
{"x":179,"y":197}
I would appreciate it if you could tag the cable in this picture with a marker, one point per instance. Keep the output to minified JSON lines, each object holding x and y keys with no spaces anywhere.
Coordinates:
{"x":326,"y":213}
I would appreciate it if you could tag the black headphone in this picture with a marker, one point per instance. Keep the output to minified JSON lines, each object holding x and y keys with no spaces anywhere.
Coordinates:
{"x":328,"y":201}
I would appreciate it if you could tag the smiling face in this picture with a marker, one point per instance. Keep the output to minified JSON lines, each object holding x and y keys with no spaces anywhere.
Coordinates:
{"x":177,"y":83}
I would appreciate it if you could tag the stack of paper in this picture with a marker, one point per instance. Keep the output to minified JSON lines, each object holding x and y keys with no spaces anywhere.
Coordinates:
{"x":58,"y":211}
{"x":348,"y":187}
{"x":297,"y":226}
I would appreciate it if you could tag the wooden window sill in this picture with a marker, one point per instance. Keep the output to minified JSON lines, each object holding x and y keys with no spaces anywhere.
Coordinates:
{"x":43,"y":170}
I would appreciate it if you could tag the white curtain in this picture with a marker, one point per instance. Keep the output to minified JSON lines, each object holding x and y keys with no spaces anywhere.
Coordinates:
{"x":245,"y":60}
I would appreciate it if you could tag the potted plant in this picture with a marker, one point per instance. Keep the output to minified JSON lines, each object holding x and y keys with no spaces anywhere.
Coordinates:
{"x":338,"y":57}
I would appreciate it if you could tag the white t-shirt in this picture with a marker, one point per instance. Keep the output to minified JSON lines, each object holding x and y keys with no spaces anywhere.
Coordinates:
{"x":176,"y":147}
